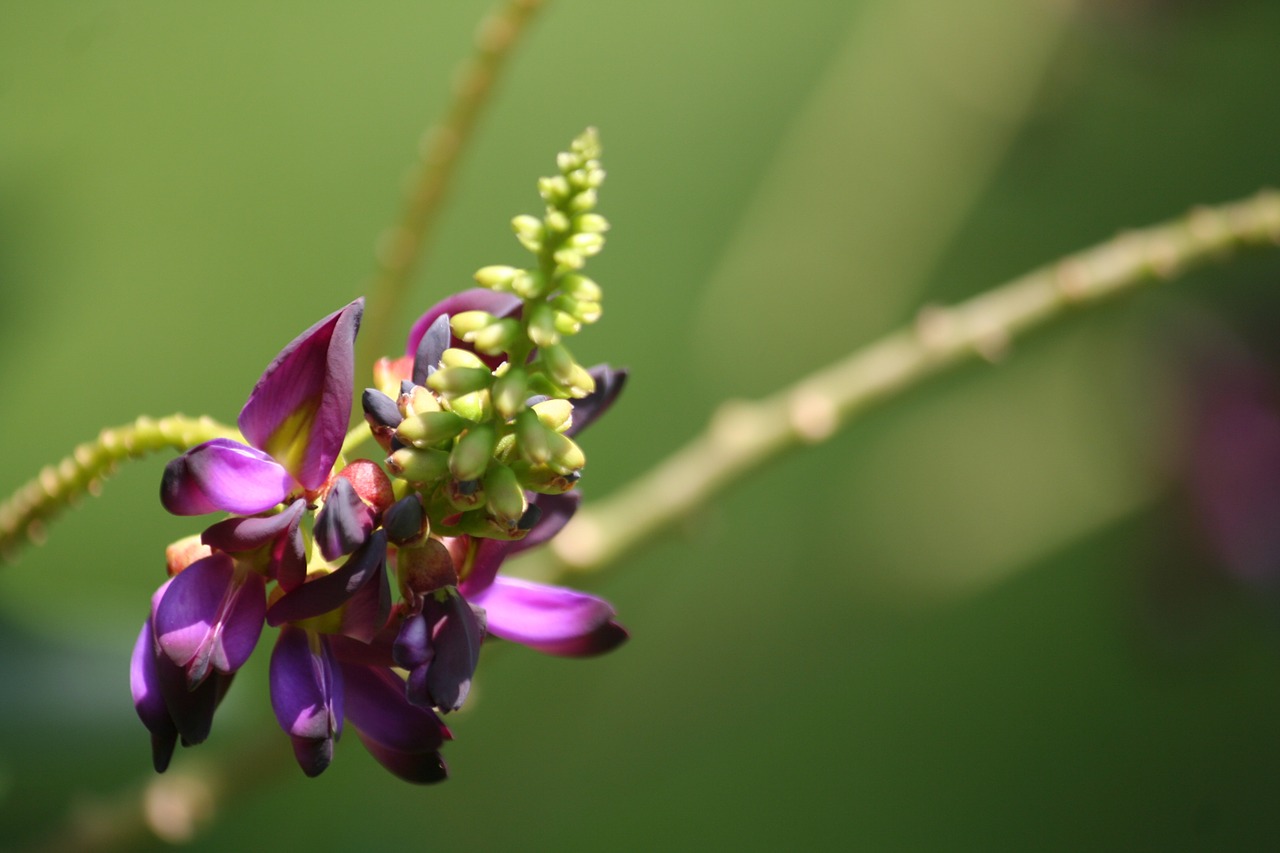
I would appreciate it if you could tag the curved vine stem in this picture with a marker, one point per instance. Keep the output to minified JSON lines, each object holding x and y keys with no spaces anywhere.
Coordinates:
{"x":23,"y":515}
{"x":401,"y":248}
{"x":742,"y":435}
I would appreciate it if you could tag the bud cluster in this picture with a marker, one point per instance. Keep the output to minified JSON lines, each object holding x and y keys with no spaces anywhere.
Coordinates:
{"x":487,"y":418}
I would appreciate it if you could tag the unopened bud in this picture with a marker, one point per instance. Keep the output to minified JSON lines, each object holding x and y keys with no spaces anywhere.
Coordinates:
{"x":532,"y":438}
{"x":509,"y":392}
{"x":557,"y":222}
{"x":497,"y":337}
{"x":473,"y":452}
{"x":588,"y":244}
{"x":428,"y":428}
{"x":464,"y":495}
{"x":566,"y":456}
{"x":419,"y":466}
{"x":555,"y":414}
{"x":542,"y":479}
{"x":503,"y":496}
{"x":416,"y":399}
{"x":424,"y":568}
{"x":455,"y":381}
{"x":469,"y":322}
{"x":528,"y":231}
{"x":592,"y":223}
{"x":458,"y":357}
{"x":496,"y":277}
{"x":581,"y":288}
{"x":584,"y":201}
{"x":406,"y":521}
{"x":541,"y":319}
{"x":554,"y":189}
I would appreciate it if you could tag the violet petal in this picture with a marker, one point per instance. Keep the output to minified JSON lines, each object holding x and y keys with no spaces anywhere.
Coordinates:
{"x":457,"y":633}
{"x":299,"y":409}
{"x":376,"y":706}
{"x":287,"y":559}
{"x":435,"y":340}
{"x":307,"y":696}
{"x":223,"y":475}
{"x":475,"y":299}
{"x":210,"y":617}
{"x":331,"y":591}
{"x":419,"y":768}
{"x":148,"y":700}
{"x":551,"y":619}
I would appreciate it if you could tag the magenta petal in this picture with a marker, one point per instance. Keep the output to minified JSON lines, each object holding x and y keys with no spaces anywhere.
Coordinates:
{"x":299,"y":409}
{"x":307,"y":696}
{"x":550,"y":619}
{"x":377,"y":707}
{"x":223,"y":475}
{"x":286,"y":560}
{"x":210,"y":617}
{"x":323,"y":594}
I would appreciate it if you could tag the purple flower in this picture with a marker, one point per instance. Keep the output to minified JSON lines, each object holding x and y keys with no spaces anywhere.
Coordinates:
{"x":294,"y":421}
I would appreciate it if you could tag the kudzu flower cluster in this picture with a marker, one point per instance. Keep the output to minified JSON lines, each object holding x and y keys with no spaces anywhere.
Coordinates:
{"x":477,"y":425}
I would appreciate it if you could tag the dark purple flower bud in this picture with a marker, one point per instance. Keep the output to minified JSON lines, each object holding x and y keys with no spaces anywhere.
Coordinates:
{"x":500,"y":305}
{"x":329,"y":592}
{"x":307,"y":696}
{"x":435,"y":340}
{"x":344,"y":522}
{"x":279,"y":536}
{"x":551,"y":619}
{"x":609,"y":384}
{"x":405,"y":520}
{"x":403,"y":737}
{"x":382,"y":414}
{"x":441,"y":647}
{"x":298,"y":411}
{"x":223,"y":476}
{"x":210,"y":617}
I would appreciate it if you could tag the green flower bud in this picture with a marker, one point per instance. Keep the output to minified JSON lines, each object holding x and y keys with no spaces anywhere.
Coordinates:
{"x":416,"y":401}
{"x":578,"y":309}
{"x":569,"y":258}
{"x":496,"y":277}
{"x":419,"y":465}
{"x":469,"y":322}
{"x":581,"y":288}
{"x":532,"y":438}
{"x":557,"y":222}
{"x":567,"y":372}
{"x":473,"y":452}
{"x":592,"y":223}
{"x":554,"y":190}
{"x":566,"y":162}
{"x":586,"y":243}
{"x":566,"y":456}
{"x":529,"y":231}
{"x":542,"y":479}
{"x":529,"y":285}
{"x":583,"y":202}
{"x":555,"y":414}
{"x":503,"y":496}
{"x":565,"y":324}
{"x":541,"y":320}
{"x":497,"y":337}
{"x":464,"y":495}
{"x":424,"y":429}
{"x":457,"y":357}
{"x":456,"y":381}
{"x":509,"y":393}
{"x":474,"y":407}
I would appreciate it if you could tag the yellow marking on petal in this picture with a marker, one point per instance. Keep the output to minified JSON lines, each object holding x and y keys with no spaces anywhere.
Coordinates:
{"x":288,"y":442}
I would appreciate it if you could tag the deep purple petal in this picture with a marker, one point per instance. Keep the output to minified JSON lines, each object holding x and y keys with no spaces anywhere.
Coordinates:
{"x":331,"y":591}
{"x":457,"y":631}
{"x":376,"y":706}
{"x":210,"y":617}
{"x":476,"y":299}
{"x":556,"y":511}
{"x":419,"y":768}
{"x":299,"y":409}
{"x":551,"y":619}
{"x":486,"y":559}
{"x":344,"y":522}
{"x":223,"y":475}
{"x":609,"y":384}
{"x":190,"y":710}
{"x":307,"y":696}
{"x":435,"y":340}
{"x":285,"y":560}
{"x":365,"y":613}
{"x":148,"y":700}
{"x":413,"y":644}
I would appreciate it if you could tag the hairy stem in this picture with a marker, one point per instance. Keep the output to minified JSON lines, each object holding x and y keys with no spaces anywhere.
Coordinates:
{"x":23,"y":515}
{"x":743,"y":435}
{"x":401,"y":248}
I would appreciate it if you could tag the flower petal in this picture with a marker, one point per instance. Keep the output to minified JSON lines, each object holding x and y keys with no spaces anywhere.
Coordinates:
{"x":210,"y":617}
{"x":299,"y":409}
{"x":285,"y":560}
{"x":442,"y":678}
{"x":223,"y":475}
{"x":331,"y":591}
{"x":435,"y":340}
{"x":609,"y":384}
{"x":377,"y":707}
{"x":148,"y":699}
{"x":551,"y":619}
{"x":419,"y":768}
{"x":307,"y":696}
{"x":344,"y":522}
{"x":489,"y":554}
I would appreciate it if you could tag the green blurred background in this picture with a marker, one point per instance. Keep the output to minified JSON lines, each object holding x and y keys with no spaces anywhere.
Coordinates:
{"x":979,"y":619}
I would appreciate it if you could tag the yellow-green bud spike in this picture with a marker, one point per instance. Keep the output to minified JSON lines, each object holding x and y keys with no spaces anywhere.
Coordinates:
{"x":554,"y":189}
{"x":419,"y":465}
{"x":473,"y":452}
{"x":555,"y":414}
{"x":581,"y":288}
{"x":496,"y":277}
{"x":503,"y":496}
{"x":509,"y":393}
{"x":424,"y":429}
{"x":557,"y":222}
